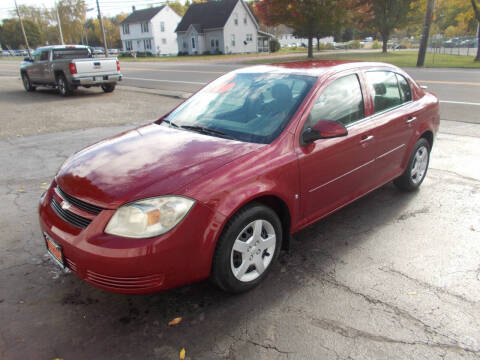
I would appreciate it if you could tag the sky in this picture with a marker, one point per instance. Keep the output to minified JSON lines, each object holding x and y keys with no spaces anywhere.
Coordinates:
{"x":108,"y":7}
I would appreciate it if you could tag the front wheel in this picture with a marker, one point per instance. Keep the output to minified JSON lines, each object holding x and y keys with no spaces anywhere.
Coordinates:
{"x":247,"y":248}
{"x":27,"y":84}
{"x":64,"y":88}
{"x":108,"y":88}
{"x":417,"y":167}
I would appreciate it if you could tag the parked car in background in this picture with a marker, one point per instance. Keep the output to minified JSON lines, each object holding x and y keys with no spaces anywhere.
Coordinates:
{"x":67,"y":67}
{"x":216,"y":187}
{"x":112,"y":51}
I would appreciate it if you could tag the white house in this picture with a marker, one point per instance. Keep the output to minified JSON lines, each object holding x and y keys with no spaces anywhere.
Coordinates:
{"x":150,"y":30}
{"x":225,"y":26}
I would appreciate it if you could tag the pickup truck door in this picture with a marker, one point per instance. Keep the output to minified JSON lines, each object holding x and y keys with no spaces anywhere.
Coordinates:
{"x":37,"y":69}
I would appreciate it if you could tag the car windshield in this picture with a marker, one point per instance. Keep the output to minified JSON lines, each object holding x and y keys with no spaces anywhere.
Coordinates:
{"x":250,"y":107}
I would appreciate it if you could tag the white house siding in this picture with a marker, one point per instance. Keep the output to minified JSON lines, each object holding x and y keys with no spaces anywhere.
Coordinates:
{"x":215,"y":36}
{"x":154,"y":34}
{"x":200,"y":45}
{"x":240,"y":31}
{"x":170,"y":19}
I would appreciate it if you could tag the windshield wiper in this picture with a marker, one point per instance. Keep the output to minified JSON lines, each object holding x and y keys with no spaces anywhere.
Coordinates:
{"x":170,"y":123}
{"x":207,"y":131}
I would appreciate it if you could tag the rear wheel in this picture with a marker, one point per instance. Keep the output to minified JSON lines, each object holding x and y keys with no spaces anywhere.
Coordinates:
{"x":64,"y":88}
{"x":27,"y":84}
{"x":247,"y":248}
{"x":108,"y":87}
{"x":417,"y":167}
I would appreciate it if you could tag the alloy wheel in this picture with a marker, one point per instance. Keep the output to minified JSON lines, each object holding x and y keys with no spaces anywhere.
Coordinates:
{"x":419,"y":166}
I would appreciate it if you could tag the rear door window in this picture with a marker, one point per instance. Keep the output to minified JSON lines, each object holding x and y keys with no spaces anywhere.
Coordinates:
{"x":44,"y":55}
{"x":384,"y":89}
{"x":341,"y":101}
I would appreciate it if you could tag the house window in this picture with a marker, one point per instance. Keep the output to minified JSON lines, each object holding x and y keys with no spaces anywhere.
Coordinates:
{"x":235,"y":19}
{"x":193,"y":43}
{"x":212,"y":43}
{"x":144,"y":27}
{"x":162,"y":26}
{"x":249,"y":37}
{"x":245,"y":20}
{"x":147,"y":44}
{"x":184,"y":44}
{"x":233,"y":39}
{"x":216,"y":43}
{"x":128,"y":45}
{"x":126,"y":29}
{"x":164,"y":41}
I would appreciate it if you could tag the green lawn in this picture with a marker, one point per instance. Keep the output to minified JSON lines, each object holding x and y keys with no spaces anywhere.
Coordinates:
{"x":399,"y":58}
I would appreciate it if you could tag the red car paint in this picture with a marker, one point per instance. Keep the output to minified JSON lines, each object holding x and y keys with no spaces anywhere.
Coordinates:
{"x":302,"y":183}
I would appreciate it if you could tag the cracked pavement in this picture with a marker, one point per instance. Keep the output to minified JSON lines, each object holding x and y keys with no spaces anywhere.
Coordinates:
{"x":392,"y":276}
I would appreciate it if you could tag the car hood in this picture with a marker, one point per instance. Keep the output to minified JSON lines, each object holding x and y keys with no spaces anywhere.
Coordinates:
{"x":149,"y":161}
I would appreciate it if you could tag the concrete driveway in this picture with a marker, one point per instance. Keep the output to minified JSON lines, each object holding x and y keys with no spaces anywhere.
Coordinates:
{"x":392,"y":276}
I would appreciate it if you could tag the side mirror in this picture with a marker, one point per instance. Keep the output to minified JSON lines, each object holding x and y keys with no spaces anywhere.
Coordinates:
{"x":323,"y":129}
{"x":26,"y":58}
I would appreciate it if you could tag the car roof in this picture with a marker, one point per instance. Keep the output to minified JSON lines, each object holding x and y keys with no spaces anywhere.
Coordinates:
{"x":51,"y":47}
{"x":316,"y":67}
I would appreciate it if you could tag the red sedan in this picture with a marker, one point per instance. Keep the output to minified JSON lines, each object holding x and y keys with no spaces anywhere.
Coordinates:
{"x":216,"y":187}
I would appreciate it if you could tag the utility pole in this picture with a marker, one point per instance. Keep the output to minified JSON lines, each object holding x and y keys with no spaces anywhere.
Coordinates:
{"x":59,"y":25}
{"x":23,"y":30}
{"x":425,"y":33}
{"x":102,"y":30}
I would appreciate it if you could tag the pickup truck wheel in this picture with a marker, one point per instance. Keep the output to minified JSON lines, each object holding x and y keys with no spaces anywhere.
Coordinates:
{"x":108,"y":87}
{"x":64,"y":87}
{"x":248,"y":246}
{"x":27,"y":84}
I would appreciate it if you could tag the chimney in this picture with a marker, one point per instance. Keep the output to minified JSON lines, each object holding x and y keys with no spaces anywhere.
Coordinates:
{"x":133,"y":8}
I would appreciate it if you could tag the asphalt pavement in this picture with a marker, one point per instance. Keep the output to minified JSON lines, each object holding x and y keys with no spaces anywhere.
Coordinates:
{"x":392,"y":276}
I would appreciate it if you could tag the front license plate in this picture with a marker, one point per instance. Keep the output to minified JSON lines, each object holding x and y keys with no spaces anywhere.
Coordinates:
{"x":55,"y":251}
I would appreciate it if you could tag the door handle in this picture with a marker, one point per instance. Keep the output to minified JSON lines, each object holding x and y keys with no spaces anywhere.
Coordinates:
{"x":411,"y":119}
{"x":366,"y":138}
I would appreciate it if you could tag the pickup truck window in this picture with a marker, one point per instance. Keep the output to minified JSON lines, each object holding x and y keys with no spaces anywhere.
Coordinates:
{"x":71,"y":54}
{"x":44,"y":55}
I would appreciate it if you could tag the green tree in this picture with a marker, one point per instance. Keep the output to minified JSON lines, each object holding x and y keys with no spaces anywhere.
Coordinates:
{"x":310,"y":18}
{"x":388,"y":15}
{"x":12,"y":34}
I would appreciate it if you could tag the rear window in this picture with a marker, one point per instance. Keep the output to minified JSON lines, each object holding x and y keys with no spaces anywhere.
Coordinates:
{"x":71,"y":54}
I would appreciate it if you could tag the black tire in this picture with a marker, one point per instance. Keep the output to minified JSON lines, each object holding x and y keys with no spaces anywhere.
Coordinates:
{"x":27,"y":84}
{"x":108,"y":88}
{"x":64,"y":88}
{"x":225,"y":257}
{"x":409,"y":181}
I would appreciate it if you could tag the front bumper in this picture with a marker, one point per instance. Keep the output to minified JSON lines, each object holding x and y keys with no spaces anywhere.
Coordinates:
{"x":96,"y":80}
{"x":126,"y":265}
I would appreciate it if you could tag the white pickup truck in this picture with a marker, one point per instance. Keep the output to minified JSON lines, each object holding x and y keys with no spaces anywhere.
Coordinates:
{"x":67,"y":67}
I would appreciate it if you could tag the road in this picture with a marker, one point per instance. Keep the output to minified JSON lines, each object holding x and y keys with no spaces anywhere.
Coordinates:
{"x":458,"y":89}
{"x":392,"y":276}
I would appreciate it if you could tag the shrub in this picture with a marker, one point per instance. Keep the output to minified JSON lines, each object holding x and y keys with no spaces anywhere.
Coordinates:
{"x":206,"y":52}
{"x":355,"y":44}
{"x":376,"y":45}
{"x":218,"y":52}
{"x":274,"y":45}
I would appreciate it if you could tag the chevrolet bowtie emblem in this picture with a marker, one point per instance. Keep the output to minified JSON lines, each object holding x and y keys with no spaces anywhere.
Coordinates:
{"x":65,"y":205}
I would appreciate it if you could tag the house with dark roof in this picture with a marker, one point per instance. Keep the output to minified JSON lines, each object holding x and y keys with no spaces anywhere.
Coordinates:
{"x":150,"y":30}
{"x":220,"y":26}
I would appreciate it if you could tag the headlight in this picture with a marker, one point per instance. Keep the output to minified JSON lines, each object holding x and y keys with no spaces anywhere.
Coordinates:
{"x":149,"y":217}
